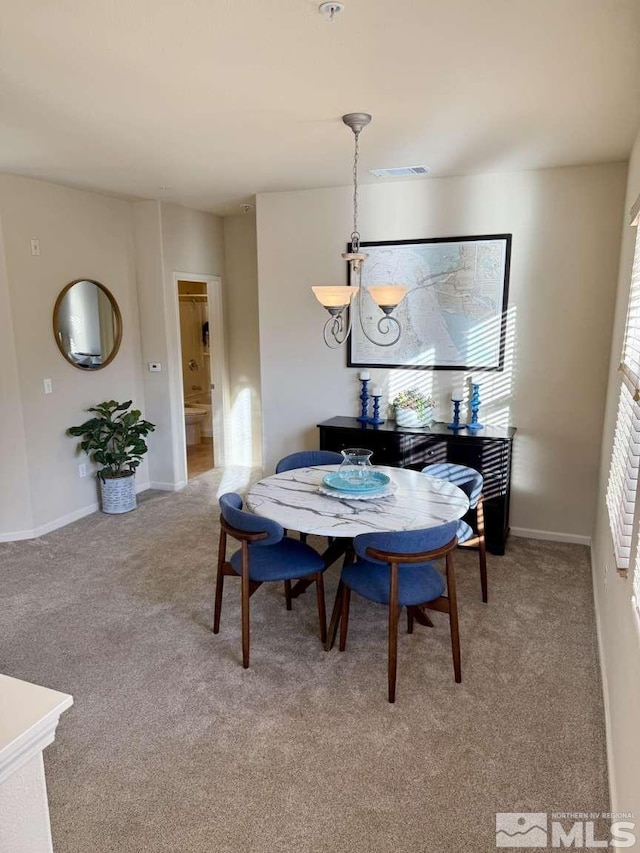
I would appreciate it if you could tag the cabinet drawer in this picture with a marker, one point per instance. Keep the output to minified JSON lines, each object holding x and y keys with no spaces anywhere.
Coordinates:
{"x":421,"y":450}
{"x":384,"y":446}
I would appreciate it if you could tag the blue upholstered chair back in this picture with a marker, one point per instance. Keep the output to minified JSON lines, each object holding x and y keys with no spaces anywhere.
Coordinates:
{"x":307,"y":459}
{"x":467,"y":479}
{"x":247,"y":522}
{"x":406,"y":541}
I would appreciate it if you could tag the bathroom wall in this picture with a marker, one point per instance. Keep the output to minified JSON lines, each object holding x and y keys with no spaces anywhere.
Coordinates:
{"x":196,"y":362}
{"x":81,"y":235}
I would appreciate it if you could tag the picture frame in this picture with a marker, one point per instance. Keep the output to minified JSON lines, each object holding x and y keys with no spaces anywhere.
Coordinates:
{"x":453,"y":316}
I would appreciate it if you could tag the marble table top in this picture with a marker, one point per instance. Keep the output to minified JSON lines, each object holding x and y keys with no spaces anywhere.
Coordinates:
{"x":293,"y":500}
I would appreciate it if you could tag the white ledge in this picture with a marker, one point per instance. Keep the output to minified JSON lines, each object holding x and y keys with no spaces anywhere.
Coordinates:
{"x":29,"y":715}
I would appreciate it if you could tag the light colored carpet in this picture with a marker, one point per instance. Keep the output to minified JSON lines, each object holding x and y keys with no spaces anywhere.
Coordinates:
{"x":172,"y":746}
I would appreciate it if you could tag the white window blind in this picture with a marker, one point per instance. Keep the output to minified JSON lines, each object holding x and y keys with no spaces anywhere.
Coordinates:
{"x":623,"y":476}
{"x":630,"y":365}
{"x":622,"y":487}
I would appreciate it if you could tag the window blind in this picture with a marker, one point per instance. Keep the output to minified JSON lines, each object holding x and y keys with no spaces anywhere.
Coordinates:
{"x":623,"y":476}
{"x":624,"y":469}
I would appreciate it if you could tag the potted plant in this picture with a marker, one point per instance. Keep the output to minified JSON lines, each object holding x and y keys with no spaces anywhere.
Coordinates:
{"x":412,"y":408}
{"x":115,"y":439}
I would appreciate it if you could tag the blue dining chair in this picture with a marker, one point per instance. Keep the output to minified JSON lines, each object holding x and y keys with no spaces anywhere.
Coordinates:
{"x":471,"y":483}
{"x":308,"y":459}
{"x":396,"y":569}
{"x":305,"y":459}
{"x":265,"y":555}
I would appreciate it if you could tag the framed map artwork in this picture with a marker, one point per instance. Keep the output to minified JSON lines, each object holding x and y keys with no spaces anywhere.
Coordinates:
{"x":453,"y":316}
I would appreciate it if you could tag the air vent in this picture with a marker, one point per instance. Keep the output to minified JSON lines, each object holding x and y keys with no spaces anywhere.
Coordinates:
{"x":401,"y":172}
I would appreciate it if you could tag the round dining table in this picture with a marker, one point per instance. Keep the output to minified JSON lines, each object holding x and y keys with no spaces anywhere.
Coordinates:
{"x":295,"y":501}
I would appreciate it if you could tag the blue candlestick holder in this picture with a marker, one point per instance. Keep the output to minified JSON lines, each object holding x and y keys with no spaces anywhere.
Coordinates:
{"x":455,"y":424}
{"x":364,"y":402}
{"x":474,"y":405}
{"x":376,"y":419}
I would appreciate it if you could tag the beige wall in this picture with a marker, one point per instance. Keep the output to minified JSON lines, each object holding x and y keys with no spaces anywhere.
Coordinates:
{"x":15,"y":496}
{"x":241,"y":306}
{"x":81,"y":235}
{"x":566,"y":230}
{"x":618,"y":626}
{"x":169,"y":239}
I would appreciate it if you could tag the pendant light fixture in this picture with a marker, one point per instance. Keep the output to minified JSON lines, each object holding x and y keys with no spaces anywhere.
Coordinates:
{"x":337,"y":299}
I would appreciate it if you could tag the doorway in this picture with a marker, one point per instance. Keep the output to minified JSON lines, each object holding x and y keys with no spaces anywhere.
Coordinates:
{"x":197,"y":384}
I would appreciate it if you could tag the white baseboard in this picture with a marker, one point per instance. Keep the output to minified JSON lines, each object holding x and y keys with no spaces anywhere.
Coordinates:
{"x":50,"y":526}
{"x":551,"y":536}
{"x":168,"y":487}
{"x":613,"y":794}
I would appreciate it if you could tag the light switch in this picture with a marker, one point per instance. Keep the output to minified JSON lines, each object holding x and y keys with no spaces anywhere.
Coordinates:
{"x":48,"y":386}
{"x":35,"y":247}
{"x":155,"y":366}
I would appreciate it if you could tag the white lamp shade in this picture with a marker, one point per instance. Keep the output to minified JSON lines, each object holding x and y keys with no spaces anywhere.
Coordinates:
{"x":334,"y":296}
{"x":387,"y":294}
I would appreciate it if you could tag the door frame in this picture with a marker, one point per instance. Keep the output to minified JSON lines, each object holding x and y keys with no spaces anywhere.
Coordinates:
{"x":218,"y":362}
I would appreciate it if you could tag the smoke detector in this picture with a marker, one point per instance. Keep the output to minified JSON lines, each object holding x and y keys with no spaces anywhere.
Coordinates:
{"x":330,"y":10}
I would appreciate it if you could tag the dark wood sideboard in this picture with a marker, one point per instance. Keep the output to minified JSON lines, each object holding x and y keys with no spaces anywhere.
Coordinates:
{"x":488,"y":451}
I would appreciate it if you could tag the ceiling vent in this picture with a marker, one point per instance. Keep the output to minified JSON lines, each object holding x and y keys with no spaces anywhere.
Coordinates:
{"x":401,"y":172}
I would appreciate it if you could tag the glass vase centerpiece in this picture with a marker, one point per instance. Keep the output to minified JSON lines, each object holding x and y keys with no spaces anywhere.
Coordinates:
{"x":414,"y":409}
{"x":355,"y":468}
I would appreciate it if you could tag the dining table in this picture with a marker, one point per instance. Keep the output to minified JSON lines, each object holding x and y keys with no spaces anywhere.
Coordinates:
{"x":296,"y":499}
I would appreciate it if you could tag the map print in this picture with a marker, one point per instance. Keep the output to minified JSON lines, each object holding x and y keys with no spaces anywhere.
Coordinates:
{"x":451,"y":314}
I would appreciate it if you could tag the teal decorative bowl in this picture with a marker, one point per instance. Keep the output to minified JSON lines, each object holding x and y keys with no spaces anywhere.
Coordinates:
{"x":371,"y":482}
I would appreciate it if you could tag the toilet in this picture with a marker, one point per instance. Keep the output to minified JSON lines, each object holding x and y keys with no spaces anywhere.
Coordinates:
{"x":193,"y":417}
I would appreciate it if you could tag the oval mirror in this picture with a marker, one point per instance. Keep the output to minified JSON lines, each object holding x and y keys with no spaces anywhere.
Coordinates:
{"x":87,"y":324}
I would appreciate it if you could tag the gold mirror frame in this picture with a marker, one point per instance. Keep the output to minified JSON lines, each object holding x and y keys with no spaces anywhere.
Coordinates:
{"x":118,"y":325}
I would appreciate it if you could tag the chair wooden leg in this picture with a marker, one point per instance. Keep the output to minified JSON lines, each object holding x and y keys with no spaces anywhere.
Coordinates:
{"x":483,"y":569}
{"x":410,"y":612}
{"x":335,"y":619}
{"x":222,"y":552}
{"x":482,"y":549}
{"x":453,"y":619}
{"x":322,"y":610}
{"x":394,"y":614}
{"x":287,"y":593}
{"x":246,"y":593}
{"x":344,"y":619}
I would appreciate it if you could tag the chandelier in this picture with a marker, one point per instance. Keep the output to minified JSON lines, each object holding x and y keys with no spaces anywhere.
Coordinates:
{"x":339,"y":299}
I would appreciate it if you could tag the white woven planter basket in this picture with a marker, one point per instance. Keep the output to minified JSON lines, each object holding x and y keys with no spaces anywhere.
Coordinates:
{"x":118,"y":494}
{"x":410,"y":418}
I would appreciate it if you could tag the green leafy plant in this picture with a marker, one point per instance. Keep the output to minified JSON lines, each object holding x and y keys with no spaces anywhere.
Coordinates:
{"x":414,"y":399}
{"x":114,"y":438}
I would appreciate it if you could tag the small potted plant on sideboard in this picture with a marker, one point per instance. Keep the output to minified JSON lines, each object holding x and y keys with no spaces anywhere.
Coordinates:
{"x":412,"y":408}
{"x":115,"y":439}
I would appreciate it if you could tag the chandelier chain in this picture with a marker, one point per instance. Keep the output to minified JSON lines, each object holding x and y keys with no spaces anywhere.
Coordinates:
{"x":355,"y":236}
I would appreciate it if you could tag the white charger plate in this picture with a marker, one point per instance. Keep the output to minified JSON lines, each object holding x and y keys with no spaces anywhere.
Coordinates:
{"x":386,"y":492}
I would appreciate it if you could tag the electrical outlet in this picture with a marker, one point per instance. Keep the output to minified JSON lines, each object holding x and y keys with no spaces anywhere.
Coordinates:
{"x":82,"y":470}
{"x":48,"y":386}
{"x":35,"y":247}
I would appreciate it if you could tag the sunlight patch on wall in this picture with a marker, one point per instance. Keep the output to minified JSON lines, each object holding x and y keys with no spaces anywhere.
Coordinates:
{"x":496,"y":388}
{"x":240,"y":430}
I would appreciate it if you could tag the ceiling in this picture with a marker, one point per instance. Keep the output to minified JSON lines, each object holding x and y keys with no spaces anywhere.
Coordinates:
{"x":219,"y":99}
